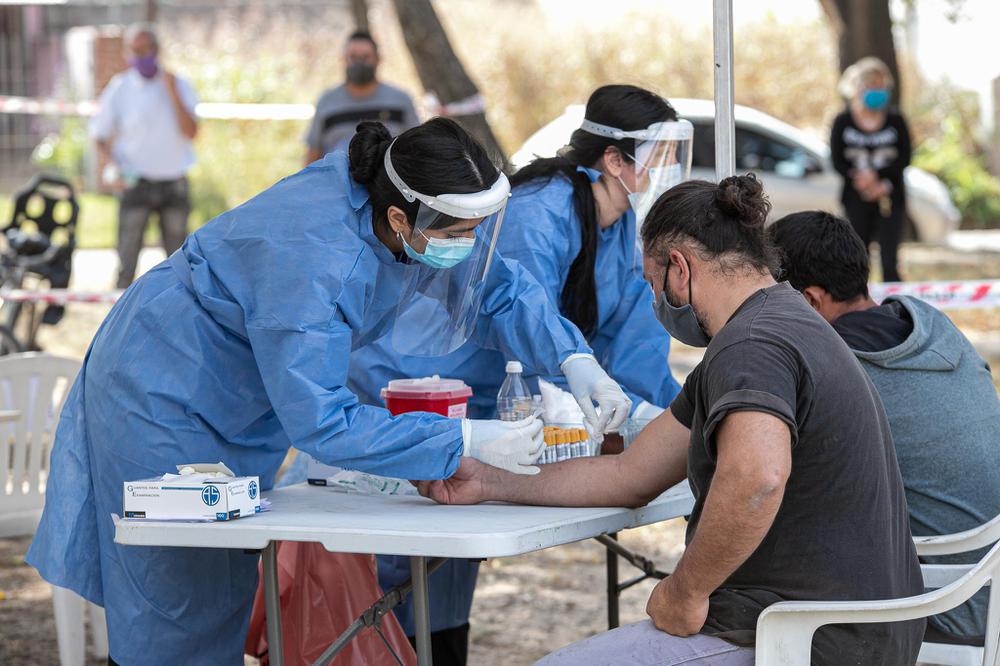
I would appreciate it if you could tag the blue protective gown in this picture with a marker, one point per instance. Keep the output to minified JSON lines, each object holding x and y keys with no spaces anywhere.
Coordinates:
{"x":235,"y":348}
{"x":541,"y":231}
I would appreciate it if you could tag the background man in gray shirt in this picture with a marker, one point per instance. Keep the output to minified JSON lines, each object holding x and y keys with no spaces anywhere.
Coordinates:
{"x":361,"y":97}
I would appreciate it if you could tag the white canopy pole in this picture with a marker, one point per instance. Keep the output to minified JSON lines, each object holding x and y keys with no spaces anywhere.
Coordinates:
{"x":725,"y":127}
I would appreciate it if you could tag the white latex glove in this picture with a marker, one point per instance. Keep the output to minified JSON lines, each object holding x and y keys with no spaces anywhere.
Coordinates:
{"x":589,"y":384}
{"x":509,"y":445}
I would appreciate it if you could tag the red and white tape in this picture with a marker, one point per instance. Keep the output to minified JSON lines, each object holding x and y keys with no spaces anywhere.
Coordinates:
{"x":955,"y":295}
{"x":213,"y":110}
{"x":59,"y":296}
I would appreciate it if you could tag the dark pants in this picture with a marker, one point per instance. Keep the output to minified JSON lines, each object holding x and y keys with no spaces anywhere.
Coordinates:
{"x":449,"y":647}
{"x":868,"y":222}
{"x":169,"y":200}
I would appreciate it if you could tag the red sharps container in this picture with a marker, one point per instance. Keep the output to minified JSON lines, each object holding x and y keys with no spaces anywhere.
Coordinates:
{"x":447,"y":397}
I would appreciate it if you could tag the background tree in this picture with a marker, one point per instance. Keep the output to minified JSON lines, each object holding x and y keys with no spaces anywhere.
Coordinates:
{"x":863,"y":28}
{"x":359,"y":9}
{"x":440,"y":70}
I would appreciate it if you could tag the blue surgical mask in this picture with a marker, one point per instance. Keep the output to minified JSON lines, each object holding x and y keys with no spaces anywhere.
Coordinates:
{"x":876,"y":99}
{"x":441,"y":252}
{"x":681,"y":322}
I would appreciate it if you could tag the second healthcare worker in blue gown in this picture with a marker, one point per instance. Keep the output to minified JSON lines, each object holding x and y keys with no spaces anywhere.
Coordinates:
{"x":572,"y":223}
{"x":239,"y":346}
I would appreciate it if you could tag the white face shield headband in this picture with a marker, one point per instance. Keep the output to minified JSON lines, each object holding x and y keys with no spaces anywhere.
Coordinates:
{"x":442,"y":290}
{"x":662,"y":158}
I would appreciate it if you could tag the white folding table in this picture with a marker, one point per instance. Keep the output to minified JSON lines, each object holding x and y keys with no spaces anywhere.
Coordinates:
{"x":397,"y":525}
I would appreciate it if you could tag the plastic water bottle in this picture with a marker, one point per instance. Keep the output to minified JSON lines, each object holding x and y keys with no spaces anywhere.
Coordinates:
{"x":514,"y":399}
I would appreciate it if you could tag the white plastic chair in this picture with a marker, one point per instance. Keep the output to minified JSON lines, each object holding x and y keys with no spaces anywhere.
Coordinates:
{"x":33,"y":388}
{"x":951,"y":544}
{"x":785,"y":630}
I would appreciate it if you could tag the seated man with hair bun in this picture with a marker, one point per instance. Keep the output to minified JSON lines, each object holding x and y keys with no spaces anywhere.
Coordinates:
{"x":784,"y":442}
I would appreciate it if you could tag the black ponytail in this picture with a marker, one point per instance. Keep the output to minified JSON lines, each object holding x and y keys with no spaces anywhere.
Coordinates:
{"x":622,"y":106}
{"x":436,"y":157}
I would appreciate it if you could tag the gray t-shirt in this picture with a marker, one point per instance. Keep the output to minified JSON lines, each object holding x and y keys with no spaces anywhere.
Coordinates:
{"x":338,"y":114}
{"x":842,"y":531}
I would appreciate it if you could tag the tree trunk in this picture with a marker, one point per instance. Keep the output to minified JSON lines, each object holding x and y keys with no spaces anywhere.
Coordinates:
{"x":440,"y":70}
{"x":864,"y":28}
{"x":150,"y":13}
{"x":359,"y":9}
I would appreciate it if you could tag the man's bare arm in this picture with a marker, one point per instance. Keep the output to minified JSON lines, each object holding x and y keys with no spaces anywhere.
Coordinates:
{"x":104,"y":150}
{"x":656,"y":461}
{"x":754,"y":462}
{"x":186,"y":121}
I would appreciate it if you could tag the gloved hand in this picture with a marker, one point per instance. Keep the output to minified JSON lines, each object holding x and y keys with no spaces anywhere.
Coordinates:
{"x":509,"y":445}
{"x":589,"y":384}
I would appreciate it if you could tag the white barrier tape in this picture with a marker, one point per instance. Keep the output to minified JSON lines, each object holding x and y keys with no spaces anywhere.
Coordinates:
{"x":231,"y":111}
{"x":463,"y":107}
{"x":944,"y":295}
{"x":59,"y":296}
{"x":46,"y":107}
{"x":208,"y":110}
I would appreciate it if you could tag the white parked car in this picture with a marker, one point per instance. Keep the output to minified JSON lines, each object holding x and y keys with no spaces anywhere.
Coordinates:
{"x":794,"y":166}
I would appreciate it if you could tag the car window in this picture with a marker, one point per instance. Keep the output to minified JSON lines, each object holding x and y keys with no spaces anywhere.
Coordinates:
{"x":754,"y":152}
{"x":703,"y":148}
{"x":758,"y":152}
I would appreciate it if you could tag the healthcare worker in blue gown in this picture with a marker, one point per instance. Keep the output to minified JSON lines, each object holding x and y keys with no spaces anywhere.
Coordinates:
{"x":239,"y":345}
{"x":571,"y":223}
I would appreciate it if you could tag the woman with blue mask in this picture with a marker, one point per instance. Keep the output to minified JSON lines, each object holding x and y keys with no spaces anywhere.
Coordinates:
{"x":870,"y":148}
{"x":239,"y":346}
{"x":572,"y":223}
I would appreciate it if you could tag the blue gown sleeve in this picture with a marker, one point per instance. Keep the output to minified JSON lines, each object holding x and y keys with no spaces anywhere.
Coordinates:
{"x":518,"y":319}
{"x":633,"y":347}
{"x":302,"y":347}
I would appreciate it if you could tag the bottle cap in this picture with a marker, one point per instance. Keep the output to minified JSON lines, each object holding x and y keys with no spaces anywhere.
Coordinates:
{"x":514,"y":366}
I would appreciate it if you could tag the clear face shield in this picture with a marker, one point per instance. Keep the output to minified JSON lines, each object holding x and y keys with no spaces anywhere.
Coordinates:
{"x":662,"y":158}
{"x":451,"y":244}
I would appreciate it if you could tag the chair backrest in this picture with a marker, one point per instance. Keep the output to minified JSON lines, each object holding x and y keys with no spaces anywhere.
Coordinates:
{"x":785,"y":630}
{"x":960,"y":542}
{"x":36,"y":386}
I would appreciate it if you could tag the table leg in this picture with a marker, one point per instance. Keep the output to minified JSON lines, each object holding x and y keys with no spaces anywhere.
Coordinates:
{"x":613,"y":592}
{"x":272,"y":605}
{"x":421,"y":610}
